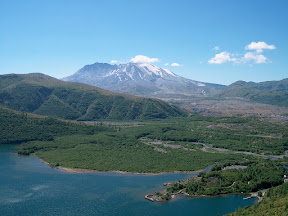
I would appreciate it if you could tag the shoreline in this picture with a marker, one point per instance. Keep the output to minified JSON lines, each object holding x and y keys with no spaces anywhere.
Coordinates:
{"x":82,"y":171}
{"x":79,"y":171}
{"x":155,"y":198}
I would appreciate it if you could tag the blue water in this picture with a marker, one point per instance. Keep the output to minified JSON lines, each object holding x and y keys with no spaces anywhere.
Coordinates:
{"x":30,"y":187}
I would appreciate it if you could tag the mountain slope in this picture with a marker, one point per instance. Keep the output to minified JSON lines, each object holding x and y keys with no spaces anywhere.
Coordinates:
{"x":275,"y":86}
{"x":17,"y":127}
{"x":44,"y":95}
{"x":142,"y":79}
{"x":272,"y":92}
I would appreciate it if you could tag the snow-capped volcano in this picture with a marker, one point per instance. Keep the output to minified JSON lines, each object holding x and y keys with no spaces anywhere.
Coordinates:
{"x":139,"y":71}
{"x":142,"y":79}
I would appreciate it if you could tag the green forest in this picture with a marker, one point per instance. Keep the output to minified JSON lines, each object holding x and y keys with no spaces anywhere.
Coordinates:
{"x":17,"y":127}
{"x":252,"y":177}
{"x":240,"y":178}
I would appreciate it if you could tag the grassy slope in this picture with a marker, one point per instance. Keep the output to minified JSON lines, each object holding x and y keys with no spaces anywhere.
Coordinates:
{"x":44,"y":95}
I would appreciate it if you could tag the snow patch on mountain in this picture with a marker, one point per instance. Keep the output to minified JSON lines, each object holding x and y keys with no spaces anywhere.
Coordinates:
{"x":169,"y":72}
{"x":201,"y":84}
{"x":150,"y":69}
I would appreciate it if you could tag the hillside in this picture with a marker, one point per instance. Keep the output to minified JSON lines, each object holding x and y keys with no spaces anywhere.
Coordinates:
{"x":17,"y":127}
{"x":44,"y":95}
{"x":142,"y":79}
{"x":274,"y":86}
{"x":271,"y":92}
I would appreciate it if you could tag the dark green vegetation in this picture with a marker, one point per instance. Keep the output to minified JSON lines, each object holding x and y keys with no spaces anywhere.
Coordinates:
{"x":272,"y":92}
{"x":177,"y":142}
{"x":44,"y":95}
{"x":99,"y":147}
{"x":105,"y":151}
{"x":158,"y":146}
{"x":257,"y":176}
{"x":19,"y":127}
{"x":275,"y":202}
{"x":123,"y":150}
{"x":234,"y":133}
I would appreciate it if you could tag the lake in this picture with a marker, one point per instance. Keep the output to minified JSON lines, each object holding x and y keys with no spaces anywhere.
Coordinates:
{"x":30,"y":187}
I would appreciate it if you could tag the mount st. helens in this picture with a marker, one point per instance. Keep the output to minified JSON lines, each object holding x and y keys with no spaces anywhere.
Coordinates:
{"x":142,"y":79}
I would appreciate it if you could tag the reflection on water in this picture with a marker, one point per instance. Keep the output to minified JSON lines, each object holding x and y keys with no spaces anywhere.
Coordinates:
{"x":30,"y":187}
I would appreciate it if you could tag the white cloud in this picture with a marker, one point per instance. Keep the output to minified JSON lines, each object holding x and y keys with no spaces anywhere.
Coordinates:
{"x":113,"y":61}
{"x":166,"y":64}
{"x":175,"y":64}
{"x":221,"y":58}
{"x":259,"y":46}
{"x":216,"y":48}
{"x":143,"y":59}
{"x":257,"y":58}
{"x":252,"y":57}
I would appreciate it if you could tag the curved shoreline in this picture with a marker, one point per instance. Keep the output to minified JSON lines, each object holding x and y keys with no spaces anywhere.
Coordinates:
{"x":155,"y":198}
{"x":79,"y":171}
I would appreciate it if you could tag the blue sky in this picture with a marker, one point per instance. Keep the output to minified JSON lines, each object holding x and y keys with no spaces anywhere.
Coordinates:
{"x":211,"y":41}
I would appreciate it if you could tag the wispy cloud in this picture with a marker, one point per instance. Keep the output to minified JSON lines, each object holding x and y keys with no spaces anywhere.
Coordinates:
{"x":143,"y":59}
{"x":113,"y":61}
{"x":175,"y":64}
{"x":216,"y":48}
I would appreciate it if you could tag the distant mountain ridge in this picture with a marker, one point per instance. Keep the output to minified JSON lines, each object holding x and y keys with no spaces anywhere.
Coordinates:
{"x":269,"y":92}
{"x":45,"y":95}
{"x":142,"y":79}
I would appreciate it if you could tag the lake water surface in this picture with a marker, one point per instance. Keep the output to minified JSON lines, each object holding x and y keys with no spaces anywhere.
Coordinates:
{"x":30,"y":187}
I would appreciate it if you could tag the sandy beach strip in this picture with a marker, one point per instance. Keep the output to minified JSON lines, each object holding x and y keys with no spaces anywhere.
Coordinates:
{"x":78,"y":171}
